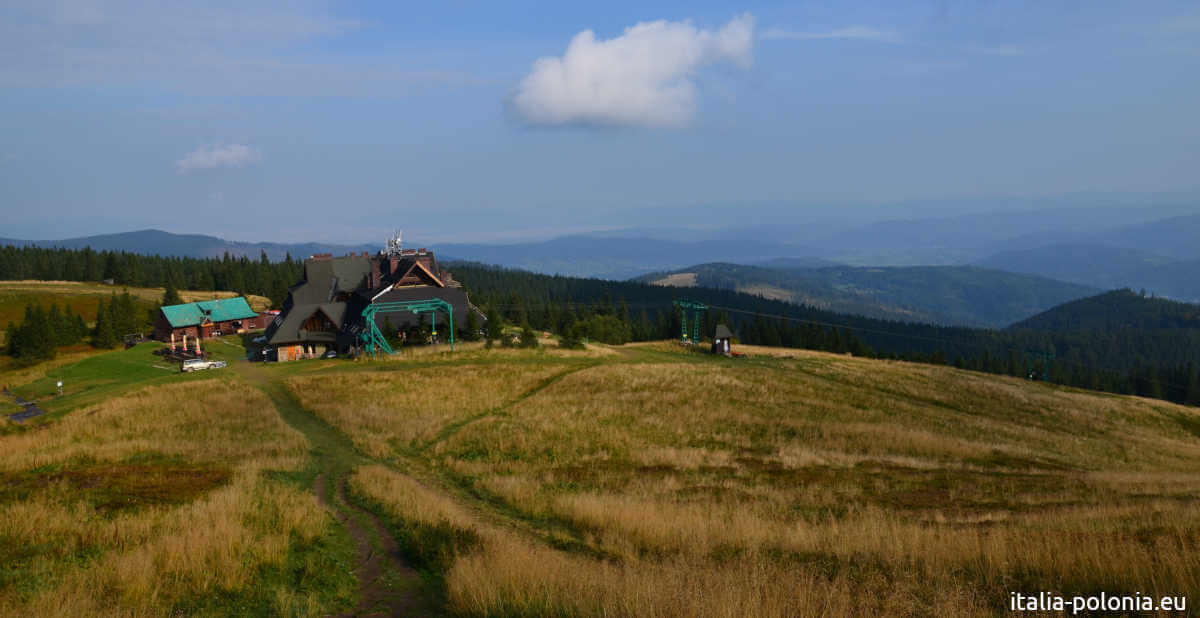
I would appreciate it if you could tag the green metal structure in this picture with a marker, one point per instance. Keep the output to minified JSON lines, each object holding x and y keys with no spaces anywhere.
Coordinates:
{"x":373,"y":340}
{"x":1031,"y":358}
{"x":696,"y":309}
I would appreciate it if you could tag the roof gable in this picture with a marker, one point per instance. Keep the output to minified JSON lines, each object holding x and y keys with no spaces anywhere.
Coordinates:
{"x":421,"y":272}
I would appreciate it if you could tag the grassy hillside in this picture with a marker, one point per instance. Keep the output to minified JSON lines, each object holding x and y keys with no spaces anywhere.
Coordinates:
{"x":170,"y":500}
{"x":657,"y":482}
{"x":958,"y":295}
{"x":637,"y":480}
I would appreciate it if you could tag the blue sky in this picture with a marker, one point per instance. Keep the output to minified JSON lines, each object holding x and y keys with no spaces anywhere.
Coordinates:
{"x":487,"y":121}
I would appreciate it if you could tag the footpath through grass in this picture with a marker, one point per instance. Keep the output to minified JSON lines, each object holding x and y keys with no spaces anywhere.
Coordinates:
{"x":386,"y":585}
{"x":658,"y":481}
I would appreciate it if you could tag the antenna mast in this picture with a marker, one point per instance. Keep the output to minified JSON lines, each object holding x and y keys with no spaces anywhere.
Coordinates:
{"x":394,"y":244}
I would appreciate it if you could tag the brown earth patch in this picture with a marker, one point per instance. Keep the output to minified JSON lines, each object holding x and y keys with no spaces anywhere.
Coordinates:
{"x":118,"y":486}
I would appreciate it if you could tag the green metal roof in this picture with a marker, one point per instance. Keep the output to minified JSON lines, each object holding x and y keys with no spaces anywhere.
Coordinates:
{"x":222,"y":310}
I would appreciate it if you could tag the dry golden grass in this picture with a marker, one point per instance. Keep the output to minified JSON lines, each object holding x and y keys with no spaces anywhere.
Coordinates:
{"x":812,"y":485}
{"x":184,"y":543}
{"x":764,"y":290}
{"x":406,"y":408}
{"x":475,"y":351}
{"x":677,"y":280}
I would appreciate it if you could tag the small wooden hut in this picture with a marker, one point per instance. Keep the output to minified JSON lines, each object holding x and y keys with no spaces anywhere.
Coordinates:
{"x":721,"y":340}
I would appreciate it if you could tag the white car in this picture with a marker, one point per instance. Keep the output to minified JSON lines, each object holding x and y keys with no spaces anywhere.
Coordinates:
{"x":199,"y":364}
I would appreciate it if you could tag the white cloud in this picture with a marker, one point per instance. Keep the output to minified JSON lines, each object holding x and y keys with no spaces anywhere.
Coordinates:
{"x":642,"y":78}
{"x":853,"y":32}
{"x":209,"y":157}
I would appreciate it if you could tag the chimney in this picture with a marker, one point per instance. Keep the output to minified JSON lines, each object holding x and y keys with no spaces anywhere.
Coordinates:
{"x":376,"y":276}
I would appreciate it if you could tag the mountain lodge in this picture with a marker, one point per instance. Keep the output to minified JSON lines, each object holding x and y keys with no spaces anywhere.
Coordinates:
{"x":324,"y":311}
{"x":206,"y":319}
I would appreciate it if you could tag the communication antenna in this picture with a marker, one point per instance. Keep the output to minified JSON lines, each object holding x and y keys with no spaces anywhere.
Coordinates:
{"x":394,"y":244}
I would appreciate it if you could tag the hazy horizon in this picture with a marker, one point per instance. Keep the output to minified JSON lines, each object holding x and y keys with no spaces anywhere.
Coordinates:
{"x":329,"y":123}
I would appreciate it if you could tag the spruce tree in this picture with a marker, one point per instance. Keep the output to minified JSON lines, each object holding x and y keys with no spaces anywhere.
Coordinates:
{"x":495,"y":325}
{"x":1192,"y":397}
{"x":528,"y":337}
{"x":171,"y":295}
{"x":69,"y":335}
{"x":12,"y":346}
{"x":470,"y":330}
{"x":60,"y":329}
{"x":81,"y":329}
{"x":103,"y":336}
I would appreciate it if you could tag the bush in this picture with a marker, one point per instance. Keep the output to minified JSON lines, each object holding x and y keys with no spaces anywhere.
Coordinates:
{"x":571,"y":341}
{"x":528,"y":338}
{"x":604,"y":328}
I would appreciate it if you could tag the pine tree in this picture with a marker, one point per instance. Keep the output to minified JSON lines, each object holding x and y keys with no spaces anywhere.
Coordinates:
{"x":1192,"y":397}
{"x":34,"y":339}
{"x":171,"y":295}
{"x":528,"y":337}
{"x":470,"y":330}
{"x":70,"y":335}
{"x":81,"y":329}
{"x":103,"y":335}
{"x":495,"y":325}
{"x":1153,"y":384}
{"x":12,"y":347}
{"x":60,"y":329}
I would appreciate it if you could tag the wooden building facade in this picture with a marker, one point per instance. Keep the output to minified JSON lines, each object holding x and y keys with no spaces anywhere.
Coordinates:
{"x":324,"y":311}
{"x":206,"y":319}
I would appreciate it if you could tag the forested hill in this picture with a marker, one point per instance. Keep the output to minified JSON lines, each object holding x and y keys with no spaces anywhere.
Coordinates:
{"x":1153,"y":362}
{"x":1150,"y":363}
{"x":952,"y":295}
{"x":1114,"y":311}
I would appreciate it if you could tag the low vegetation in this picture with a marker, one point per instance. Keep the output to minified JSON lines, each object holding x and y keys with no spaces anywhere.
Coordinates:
{"x":663,"y":483}
{"x":166,"y":500}
{"x":647,"y":479}
{"x":91,"y":377}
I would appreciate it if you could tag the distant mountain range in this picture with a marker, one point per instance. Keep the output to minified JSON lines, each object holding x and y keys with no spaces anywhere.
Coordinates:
{"x":1105,"y":266}
{"x":614,"y":258}
{"x":949,"y":295}
{"x":1102,"y":248}
{"x":584,"y":256}
{"x":158,"y":242}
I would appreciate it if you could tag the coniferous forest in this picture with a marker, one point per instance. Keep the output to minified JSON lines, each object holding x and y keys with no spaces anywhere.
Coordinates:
{"x":1118,"y":342}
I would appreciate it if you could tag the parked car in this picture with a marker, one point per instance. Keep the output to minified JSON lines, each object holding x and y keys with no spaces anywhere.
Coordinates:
{"x":330,"y":354}
{"x":259,"y":339}
{"x":199,"y":364}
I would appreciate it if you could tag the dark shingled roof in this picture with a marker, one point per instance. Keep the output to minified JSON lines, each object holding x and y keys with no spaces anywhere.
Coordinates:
{"x":325,"y":279}
{"x":722,"y":332}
